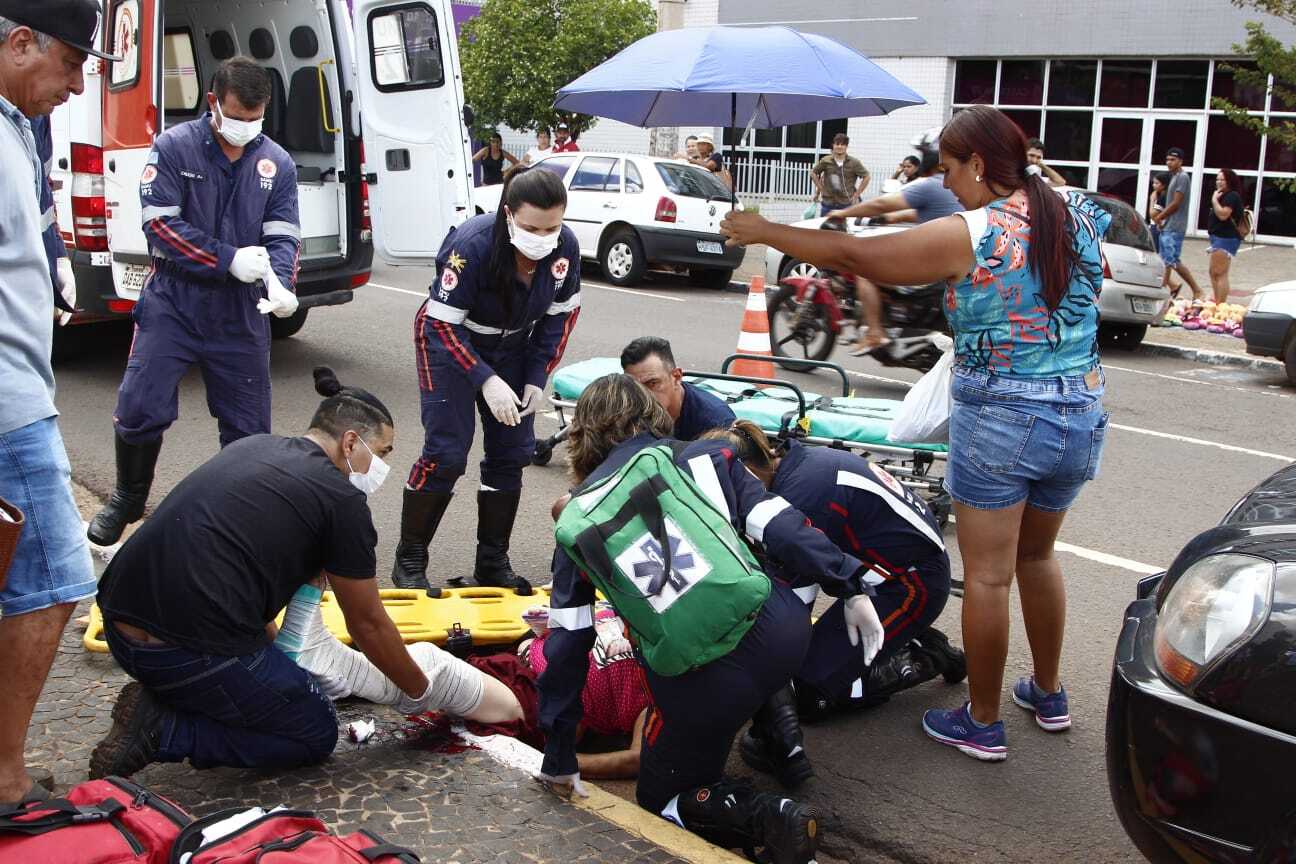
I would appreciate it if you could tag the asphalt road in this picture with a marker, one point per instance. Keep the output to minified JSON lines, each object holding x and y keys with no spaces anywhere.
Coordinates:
{"x":889,"y":793}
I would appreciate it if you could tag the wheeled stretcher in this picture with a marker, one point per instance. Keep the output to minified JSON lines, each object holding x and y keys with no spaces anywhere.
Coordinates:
{"x":784,"y":410}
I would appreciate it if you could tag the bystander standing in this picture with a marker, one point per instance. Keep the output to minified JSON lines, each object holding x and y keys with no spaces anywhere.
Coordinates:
{"x":563,"y":142}
{"x":492,"y":158}
{"x":1035,"y":164}
{"x":1226,"y":213}
{"x":544,"y":146}
{"x":839,"y":178}
{"x":1172,"y":221}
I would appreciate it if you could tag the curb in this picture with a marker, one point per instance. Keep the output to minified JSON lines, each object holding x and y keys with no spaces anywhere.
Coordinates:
{"x":1211,"y":358}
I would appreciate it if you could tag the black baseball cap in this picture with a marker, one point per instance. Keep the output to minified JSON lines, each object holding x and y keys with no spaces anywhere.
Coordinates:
{"x":1176,"y":152}
{"x":73,"y":22}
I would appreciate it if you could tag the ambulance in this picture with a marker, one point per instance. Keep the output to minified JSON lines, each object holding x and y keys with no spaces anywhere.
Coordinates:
{"x":366,"y":98}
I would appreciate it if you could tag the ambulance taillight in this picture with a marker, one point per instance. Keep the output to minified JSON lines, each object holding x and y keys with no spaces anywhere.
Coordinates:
{"x":366,"y":225}
{"x":89,"y":215}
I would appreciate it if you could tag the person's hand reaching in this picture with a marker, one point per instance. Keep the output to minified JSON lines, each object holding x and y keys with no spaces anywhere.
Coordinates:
{"x":741,"y":228}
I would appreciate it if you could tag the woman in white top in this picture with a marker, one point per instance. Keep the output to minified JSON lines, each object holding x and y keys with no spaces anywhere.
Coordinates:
{"x":542,"y":149}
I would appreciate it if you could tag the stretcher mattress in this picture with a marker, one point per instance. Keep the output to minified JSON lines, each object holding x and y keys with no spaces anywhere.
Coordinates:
{"x":857,"y":420}
{"x":492,"y":615}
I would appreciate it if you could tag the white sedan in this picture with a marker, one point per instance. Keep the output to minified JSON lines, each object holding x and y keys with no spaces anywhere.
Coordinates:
{"x":630,"y":212}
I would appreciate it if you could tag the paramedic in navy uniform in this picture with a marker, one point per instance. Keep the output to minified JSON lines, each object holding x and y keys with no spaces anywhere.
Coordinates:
{"x":495,"y":324}
{"x":219,"y":209}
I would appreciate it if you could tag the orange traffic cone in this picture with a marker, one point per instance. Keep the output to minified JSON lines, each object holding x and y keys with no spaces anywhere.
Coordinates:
{"x":754,"y":338}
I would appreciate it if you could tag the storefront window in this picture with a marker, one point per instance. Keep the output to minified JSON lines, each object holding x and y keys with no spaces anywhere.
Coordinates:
{"x":1071,"y":82}
{"x":1228,"y":145}
{"x":1278,"y":157}
{"x":1125,"y":83}
{"x":1175,"y":133}
{"x":1122,"y":140}
{"x":802,"y":135}
{"x":1067,"y":134}
{"x":1181,"y":84}
{"x":1029,"y":121}
{"x":1277,"y":213}
{"x":1021,"y":82}
{"x":974,"y":82}
{"x":1236,"y":92}
{"x":1120,"y":183}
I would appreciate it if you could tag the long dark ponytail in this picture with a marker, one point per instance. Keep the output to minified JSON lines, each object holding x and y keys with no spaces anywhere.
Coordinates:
{"x":1001,"y":144}
{"x":523,"y":184}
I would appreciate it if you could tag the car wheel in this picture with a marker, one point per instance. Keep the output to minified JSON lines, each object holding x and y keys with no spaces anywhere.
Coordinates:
{"x":799,"y":330}
{"x":623,"y":258}
{"x":282,"y":328}
{"x":800,"y":269}
{"x":1124,"y":337}
{"x":710,"y":277}
{"x":1289,"y":359}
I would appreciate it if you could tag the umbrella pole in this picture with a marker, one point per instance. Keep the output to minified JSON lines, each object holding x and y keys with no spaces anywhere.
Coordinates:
{"x":733,"y":151}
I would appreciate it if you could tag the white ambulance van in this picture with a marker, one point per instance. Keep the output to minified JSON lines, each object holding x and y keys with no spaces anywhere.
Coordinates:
{"x":369,"y":104}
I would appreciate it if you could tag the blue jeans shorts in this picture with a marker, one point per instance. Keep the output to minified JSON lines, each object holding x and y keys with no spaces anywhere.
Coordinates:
{"x":1036,"y":440}
{"x":1228,"y":245}
{"x":52,"y":562}
{"x":1170,"y":245}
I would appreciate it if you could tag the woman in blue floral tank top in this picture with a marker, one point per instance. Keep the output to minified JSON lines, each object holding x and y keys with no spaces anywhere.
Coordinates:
{"x":1023,"y":265}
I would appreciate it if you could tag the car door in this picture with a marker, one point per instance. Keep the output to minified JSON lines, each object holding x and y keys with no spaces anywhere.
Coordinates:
{"x":411,"y":116}
{"x":131,"y":120}
{"x":590,"y":205}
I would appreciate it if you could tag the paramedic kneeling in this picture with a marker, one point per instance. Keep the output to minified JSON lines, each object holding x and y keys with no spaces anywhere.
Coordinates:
{"x":189,"y":599}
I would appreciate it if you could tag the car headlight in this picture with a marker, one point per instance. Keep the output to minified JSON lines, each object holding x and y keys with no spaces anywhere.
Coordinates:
{"x":1218,"y":604}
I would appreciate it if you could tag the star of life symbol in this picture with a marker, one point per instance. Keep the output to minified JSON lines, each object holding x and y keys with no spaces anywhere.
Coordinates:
{"x":643,"y":564}
{"x":456,"y":262}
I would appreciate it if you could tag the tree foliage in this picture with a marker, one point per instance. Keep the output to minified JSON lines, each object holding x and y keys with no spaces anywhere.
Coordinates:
{"x":516,"y":55}
{"x":1270,"y":57}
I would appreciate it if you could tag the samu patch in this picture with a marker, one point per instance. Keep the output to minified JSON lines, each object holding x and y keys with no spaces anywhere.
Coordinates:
{"x":449,"y":280}
{"x":148,"y":175}
{"x":560,"y":268}
{"x":267,"y":169}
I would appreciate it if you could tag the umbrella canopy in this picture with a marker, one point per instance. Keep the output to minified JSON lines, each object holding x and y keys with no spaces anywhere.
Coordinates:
{"x":765,"y":76}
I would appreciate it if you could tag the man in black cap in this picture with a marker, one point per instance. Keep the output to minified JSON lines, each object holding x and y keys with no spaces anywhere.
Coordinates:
{"x":43,"y":46}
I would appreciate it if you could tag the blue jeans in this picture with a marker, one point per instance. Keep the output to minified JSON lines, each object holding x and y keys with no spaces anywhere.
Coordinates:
{"x":260,"y":710}
{"x":1170,"y":245}
{"x":1036,"y":440}
{"x":51,"y":564}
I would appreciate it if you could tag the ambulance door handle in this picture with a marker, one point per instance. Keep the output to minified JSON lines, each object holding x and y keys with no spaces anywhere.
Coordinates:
{"x":398,"y":160}
{"x":112,"y":165}
{"x":63,"y":164}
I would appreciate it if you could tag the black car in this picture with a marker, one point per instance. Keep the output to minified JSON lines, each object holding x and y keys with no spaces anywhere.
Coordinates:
{"x":1201,"y":720}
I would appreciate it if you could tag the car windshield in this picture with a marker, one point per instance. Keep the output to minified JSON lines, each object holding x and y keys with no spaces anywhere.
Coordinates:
{"x":1127,"y":228}
{"x":691,"y":181}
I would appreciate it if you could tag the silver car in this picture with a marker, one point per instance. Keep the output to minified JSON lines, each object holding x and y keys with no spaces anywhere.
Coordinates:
{"x":1133,"y":297}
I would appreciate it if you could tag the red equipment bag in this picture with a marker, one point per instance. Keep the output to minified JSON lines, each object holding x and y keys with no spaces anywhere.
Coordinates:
{"x":284,"y":837}
{"x":111,"y":821}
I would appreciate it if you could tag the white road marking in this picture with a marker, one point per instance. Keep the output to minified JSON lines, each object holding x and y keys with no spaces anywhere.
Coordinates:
{"x":1185,"y":380}
{"x":1101,"y":557}
{"x":634,"y":293}
{"x":422,"y":294}
{"x":1202,"y":442}
{"x":866,"y":376}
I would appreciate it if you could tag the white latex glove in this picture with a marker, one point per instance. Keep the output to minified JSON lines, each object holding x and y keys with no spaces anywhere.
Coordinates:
{"x":501,"y":400}
{"x":67,"y":287}
{"x":421,"y":705}
{"x":863,"y":627}
{"x":532,"y":399}
{"x":250,"y":264}
{"x":280,"y":300}
{"x":565,"y":785}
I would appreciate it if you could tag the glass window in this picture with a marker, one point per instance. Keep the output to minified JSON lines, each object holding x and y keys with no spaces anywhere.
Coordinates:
{"x":1277,"y":213}
{"x":1278,"y":157}
{"x":1067,"y":135}
{"x":1120,"y":183}
{"x":125,"y":44}
{"x":1122,"y":140}
{"x":830,"y":128}
{"x":406,"y":48}
{"x":1280,"y":104}
{"x":1071,"y":82}
{"x":1021,"y":82}
{"x":803,"y":135}
{"x":1075,"y":175}
{"x":769,"y":137}
{"x":1029,"y":121}
{"x":1174,"y":133}
{"x":1206,"y":188}
{"x":613,"y":182}
{"x":974,"y":81}
{"x":1236,"y":92}
{"x":633,"y":180}
{"x":559,"y":165}
{"x":1228,"y":145}
{"x":1125,"y":83}
{"x":1180,"y":84}
{"x":1127,"y":226}
{"x":180,"y":87}
{"x":691,"y":181}
{"x":592,"y":174}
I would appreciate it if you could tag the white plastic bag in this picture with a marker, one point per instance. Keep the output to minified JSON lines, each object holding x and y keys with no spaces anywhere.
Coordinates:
{"x":924,"y":416}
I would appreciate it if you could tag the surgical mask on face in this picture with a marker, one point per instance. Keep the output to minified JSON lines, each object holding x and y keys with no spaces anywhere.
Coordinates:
{"x":370,"y":481}
{"x":533,"y":246}
{"x":239,"y":133}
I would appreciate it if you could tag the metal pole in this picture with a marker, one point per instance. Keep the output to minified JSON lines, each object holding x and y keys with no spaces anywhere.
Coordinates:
{"x":733,"y":151}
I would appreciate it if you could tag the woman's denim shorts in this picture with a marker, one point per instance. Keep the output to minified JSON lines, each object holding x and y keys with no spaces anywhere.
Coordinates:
{"x":1036,"y":440}
{"x":1227,"y":245}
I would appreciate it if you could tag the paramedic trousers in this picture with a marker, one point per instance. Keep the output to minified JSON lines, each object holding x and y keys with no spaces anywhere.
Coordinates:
{"x":695,"y":716}
{"x":180,"y":323}
{"x":448,"y":401}
{"x":260,"y":710}
{"x":907,"y":603}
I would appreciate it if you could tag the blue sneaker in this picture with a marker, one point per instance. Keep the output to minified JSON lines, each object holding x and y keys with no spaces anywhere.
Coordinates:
{"x":956,"y":728}
{"x":1050,"y":709}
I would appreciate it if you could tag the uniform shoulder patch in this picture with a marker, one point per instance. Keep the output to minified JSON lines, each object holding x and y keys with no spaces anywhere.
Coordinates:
{"x":887,"y":478}
{"x":456,"y":262}
{"x":267,"y":168}
{"x":449,"y":279}
{"x":560,"y":268}
{"x":148,"y":175}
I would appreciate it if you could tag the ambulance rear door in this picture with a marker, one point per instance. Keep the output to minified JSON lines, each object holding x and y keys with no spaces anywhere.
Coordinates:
{"x":131,"y":120}
{"x":411,"y":114}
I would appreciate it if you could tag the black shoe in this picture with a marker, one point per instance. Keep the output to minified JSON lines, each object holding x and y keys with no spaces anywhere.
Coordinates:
{"x":733,"y":816}
{"x":774,"y":744}
{"x":907,"y":667}
{"x":132,"y":742}
{"x":421,"y":514}
{"x":951,"y":662}
{"x":135,"y":464}
{"x":496,"y":512}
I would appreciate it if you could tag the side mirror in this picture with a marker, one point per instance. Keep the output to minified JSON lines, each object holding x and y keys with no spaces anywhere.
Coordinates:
{"x":469,"y":117}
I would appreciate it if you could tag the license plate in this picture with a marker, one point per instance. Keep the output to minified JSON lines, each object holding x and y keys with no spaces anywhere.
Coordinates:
{"x":710,"y":247}
{"x":132,"y":278}
{"x":100,"y":259}
{"x":1145,"y":306}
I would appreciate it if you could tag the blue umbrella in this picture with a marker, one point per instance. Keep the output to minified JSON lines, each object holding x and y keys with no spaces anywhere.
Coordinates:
{"x":769,"y":76}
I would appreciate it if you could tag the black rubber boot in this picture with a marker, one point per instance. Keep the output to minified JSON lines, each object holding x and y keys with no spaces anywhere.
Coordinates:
{"x":907,"y":667}
{"x":495,"y":514}
{"x":135,"y":464}
{"x":733,"y":816}
{"x":951,"y":662}
{"x":421,"y":513}
{"x":774,"y":745}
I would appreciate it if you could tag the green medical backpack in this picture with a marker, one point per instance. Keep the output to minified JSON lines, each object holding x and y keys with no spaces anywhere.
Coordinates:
{"x":668,"y":558}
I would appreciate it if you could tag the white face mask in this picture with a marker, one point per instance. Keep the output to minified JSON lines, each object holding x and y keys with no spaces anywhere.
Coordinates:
{"x":370,"y":481}
{"x":239,"y":133}
{"x":533,"y":246}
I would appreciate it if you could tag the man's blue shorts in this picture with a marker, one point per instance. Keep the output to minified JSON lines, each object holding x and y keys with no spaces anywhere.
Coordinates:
{"x":52,"y":562}
{"x":1171,"y":246}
